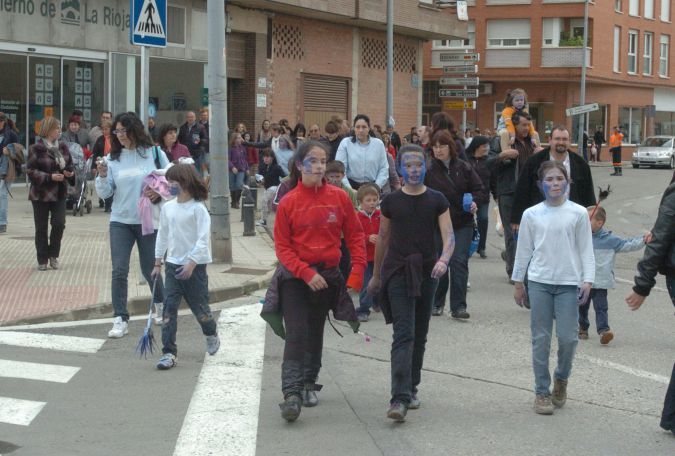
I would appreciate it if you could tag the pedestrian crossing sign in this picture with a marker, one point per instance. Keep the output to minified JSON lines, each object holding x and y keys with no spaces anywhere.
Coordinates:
{"x":148,"y":22}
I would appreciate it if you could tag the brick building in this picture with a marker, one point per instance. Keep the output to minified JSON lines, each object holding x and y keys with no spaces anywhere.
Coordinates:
{"x":309,"y":60}
{"x":537,"y":45}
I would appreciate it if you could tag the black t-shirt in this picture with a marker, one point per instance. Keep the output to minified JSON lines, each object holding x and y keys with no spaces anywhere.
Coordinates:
{"x":414,"y":223}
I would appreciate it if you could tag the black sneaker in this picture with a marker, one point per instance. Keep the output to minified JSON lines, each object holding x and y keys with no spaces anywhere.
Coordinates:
{"x":460,"y":314}
{"x":290,"y":408}
{"x":397,"y":411}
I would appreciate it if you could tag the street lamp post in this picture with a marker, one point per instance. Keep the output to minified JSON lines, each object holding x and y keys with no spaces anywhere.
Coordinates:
{"x":390,"y":63}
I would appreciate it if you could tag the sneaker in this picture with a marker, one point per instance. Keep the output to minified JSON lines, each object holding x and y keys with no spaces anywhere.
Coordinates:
{"x":482,"y":254}
{"x":376,"y":308}
{"x":583,"y":334}
{"x":291,"y":407}
{"x":362,"y":318}
{"x":120,"y":328}
{"x":606,"y":337}
{"x":468,"y":285}
{"x":543,"y":405}
{"x":559,"y":392}
{"x":166,"y":362}
{"x":3,"y":229}
{"x":54,"y":263}
{"x":309,"y":397}
{"x":159,"y":313}
{"x":460,"y":314}
{"x":397,"y":411}
{"x":437,"y":311}
{"x":261,"y":222}
{"x":414,"y":402}
{"x":212,"y":344}
{"x":42,"y":267}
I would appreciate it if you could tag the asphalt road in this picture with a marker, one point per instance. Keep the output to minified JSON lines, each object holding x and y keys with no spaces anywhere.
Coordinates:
{"x":476,"y":386}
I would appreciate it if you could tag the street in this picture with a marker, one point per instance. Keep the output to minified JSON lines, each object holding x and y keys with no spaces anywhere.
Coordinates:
{"x":85,"y":394}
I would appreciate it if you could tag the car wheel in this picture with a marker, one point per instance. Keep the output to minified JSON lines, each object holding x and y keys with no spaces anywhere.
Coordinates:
{"x":672,"y":161}
{"x":635,"y":166}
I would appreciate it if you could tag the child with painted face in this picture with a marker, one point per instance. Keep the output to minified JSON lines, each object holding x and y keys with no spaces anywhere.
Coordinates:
{"x":515,"y":102}
{"x":308,"y":283}
{"x":555,"y":249}
{"x":406,"y":272}
{"x":184,"y":236}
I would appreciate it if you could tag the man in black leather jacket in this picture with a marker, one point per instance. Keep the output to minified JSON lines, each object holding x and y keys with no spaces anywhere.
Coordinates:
{"x":659,"y":256}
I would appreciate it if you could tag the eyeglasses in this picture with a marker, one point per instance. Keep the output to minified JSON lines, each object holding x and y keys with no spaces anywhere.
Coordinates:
{"x":121,"y":131}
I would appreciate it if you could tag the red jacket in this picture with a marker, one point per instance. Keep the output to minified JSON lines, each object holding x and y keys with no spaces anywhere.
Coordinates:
{"x":371,"y":225}
{"x":308,"y":226}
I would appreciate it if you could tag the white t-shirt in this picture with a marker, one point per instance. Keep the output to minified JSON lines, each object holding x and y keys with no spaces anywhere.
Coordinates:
{"x":184,"y":233}
{"x":555,"y":245}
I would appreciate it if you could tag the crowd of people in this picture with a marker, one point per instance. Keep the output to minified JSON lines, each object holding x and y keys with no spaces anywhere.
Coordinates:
{"x":357,"y":207}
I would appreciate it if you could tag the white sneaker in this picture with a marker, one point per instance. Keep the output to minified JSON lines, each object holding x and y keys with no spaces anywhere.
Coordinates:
{"x":120,"y":328}
{"x":159,"y":313}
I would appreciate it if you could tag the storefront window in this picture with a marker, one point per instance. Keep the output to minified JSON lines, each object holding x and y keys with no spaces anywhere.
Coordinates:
{"x":83,"y":90}
{"x":631,"y":121}
{"x":13,"y":90}
{"x":126,"y":83}
{"x":664,"y":123}
{"x":170,"y":91}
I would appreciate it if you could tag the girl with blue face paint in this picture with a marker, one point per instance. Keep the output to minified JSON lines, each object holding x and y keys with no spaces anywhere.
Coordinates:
{"x":555,"y":249}
{"x":183,"y":236}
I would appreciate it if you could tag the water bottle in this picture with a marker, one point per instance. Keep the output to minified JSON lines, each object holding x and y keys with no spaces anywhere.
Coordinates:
{"x":467,"y":199}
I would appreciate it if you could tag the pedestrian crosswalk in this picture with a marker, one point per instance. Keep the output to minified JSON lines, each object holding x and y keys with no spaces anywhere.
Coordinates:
{"x":22,"y":411}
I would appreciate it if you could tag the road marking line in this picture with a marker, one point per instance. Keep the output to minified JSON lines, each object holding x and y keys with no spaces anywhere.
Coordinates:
{"x":19,"y":411}
{"x":51,"y":341}
{"x":626,"y":369}
{"x":631,"y":282}
{"x":37,"y":371}
{"x":222,"y":418}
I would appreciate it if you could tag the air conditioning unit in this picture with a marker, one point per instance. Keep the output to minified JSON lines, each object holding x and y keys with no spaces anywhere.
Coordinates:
{"x":485,"y":88}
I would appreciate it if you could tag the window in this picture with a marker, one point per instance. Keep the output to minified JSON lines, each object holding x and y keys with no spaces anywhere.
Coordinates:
{"x":647,"y":54}
{"x":665,"y":10}
{"x":617,"y":6}
{"x":649,"y":8}
{"x":508,"y":33}
{"x":617,"y":49}
{"x":634,"y":7}
{"x":563,"y":32}
{"x":199,"y":29}
{"x":469,"y":43}
{"x":631,"y":121}
{"x":632,"y":51}
{"x":664,"y":123}
{"x":175,"y":25}
{"x":663,"y":55}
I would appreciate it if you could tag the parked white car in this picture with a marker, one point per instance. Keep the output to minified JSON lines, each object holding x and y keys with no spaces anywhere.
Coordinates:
{"x":655,"y":151}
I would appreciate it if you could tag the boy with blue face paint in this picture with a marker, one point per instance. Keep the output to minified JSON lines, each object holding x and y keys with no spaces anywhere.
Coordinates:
{"x":406,"y":272}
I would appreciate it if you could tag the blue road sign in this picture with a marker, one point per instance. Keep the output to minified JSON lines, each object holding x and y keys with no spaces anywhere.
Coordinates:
{"x":148,"y":23}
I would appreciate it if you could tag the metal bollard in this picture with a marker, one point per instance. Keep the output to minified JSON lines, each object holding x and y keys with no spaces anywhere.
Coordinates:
{"x":248,"y":212}
{"x":253,"y":187}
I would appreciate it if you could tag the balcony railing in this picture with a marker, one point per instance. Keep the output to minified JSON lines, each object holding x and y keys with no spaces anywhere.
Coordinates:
{"x":507,"y":58}
{"x":564,"y":57}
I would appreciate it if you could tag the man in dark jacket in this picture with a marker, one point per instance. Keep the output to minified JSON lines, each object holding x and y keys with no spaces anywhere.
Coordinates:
{"x":599,"y":140}
{"x":581,"y":190}
{"x":506,"y":166}
{"x":659,"y":256}
{"x":193,"y":135}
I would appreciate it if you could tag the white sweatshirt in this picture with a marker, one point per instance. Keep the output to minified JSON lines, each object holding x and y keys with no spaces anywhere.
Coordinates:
{"x":184,"y":233}
{"x":555,"y":245}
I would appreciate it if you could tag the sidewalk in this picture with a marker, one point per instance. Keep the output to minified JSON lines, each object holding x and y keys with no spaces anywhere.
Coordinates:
{"x":81,"y":288}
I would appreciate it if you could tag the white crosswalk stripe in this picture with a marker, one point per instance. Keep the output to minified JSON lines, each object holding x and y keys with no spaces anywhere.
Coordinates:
{"x":21,"y":412}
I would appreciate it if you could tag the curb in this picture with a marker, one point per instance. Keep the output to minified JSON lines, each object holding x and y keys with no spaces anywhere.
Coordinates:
{"x":139,"y":305}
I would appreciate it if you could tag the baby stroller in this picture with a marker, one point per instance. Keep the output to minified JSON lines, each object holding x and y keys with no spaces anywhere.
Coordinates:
{"x":79,"y":195}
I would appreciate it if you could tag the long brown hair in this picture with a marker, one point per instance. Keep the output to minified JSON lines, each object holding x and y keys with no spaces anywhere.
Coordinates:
{"x":189,"y":180}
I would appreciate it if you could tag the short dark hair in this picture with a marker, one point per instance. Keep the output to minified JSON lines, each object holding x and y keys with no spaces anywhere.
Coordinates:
{"x":515,"y":118}
{"x":187,"y":177}
{"x":367,"y":189}
{"x":408,"y":149}
{"x":335,"y":166}
{"x":163,"y":131}
{"x":600,"y":213}
{"x":559,"y":127}
{"x":331,"y":127}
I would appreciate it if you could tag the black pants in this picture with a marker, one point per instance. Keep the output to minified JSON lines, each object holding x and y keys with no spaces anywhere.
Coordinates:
{"x":505,"y":208}
{"x":616,"y":157}
{"x":304,"y":314}
{"x":668,"y":415}
{"x":49,"y":245}
{"x":345,"y":260}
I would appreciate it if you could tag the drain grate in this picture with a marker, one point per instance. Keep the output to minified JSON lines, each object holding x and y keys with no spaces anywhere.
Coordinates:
{"x":246,"y":271}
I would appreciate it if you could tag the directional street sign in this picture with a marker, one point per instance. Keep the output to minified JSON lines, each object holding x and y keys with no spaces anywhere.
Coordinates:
{"x":461,"y":69}
{"x":148,"y":23}
{"x":461,"y":58}
{"x":459,"y":105}
{"x":472,"y":81}
{"x":458,"y":93}
{"x":581,"y":109}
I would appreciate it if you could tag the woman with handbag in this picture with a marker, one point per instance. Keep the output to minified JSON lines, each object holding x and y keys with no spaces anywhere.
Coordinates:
{"x":121,"y":176}
{"x":49,"y":167}
{"x":454,"y":178}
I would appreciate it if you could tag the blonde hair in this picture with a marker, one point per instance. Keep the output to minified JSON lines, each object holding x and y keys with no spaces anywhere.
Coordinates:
{"x":47,"y":125}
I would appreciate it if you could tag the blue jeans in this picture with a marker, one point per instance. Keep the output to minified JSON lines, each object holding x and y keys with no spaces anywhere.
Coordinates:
{"x":599,"y":298}
{"x":237,"y":180}
{"x":122,"y":239}
{"x":4,"y":201}
{"x":411,"y":324}
{"x":482,"y":218}
{"x":458,"y":269}
{"x":195,"y":290}
{"x":551,"y":302}
{"x":199,"y":162}
{"x":365,"y":301}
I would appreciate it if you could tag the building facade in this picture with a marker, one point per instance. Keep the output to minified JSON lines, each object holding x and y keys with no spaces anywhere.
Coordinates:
{"x":537,"y":45}
{"x":296,"y":59}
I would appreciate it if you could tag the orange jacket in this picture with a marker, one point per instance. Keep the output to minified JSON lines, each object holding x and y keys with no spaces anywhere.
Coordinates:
{"x":615,"y":140}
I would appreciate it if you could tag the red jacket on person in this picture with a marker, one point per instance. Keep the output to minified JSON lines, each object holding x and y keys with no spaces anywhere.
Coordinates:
{"x":307,"y":230}
{"x":371,"y":225}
